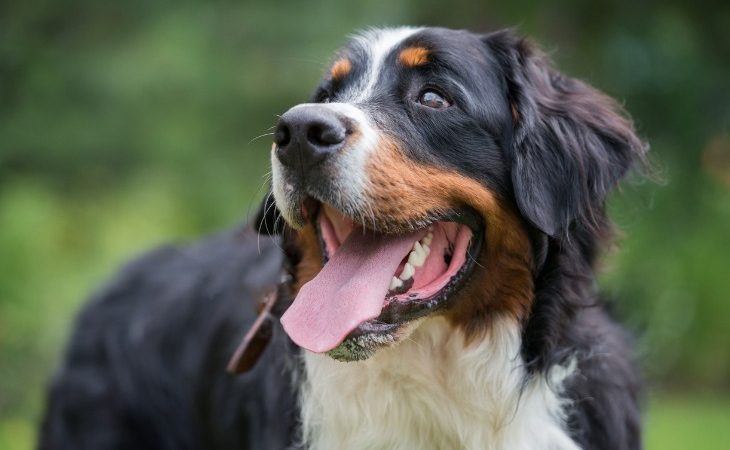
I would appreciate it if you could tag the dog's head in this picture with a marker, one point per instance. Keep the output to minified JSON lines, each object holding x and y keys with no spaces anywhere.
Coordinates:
{"x":432,"y":173}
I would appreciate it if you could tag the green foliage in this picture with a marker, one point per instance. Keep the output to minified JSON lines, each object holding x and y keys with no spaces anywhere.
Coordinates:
{"x":123,"y":125}
{"x":685,"y":423}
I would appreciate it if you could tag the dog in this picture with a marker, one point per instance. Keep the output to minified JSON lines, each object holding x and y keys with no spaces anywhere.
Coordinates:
{"x":437,"y":212}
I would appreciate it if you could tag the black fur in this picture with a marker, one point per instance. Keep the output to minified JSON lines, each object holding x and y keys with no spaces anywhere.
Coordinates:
{"x":571,"y":144}
{"x":145,"y":367}
{"x":570,"y":147}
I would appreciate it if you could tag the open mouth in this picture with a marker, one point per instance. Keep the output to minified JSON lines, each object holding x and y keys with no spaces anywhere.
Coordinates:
{"x":438,"y":254}
{"x":373,"y":283}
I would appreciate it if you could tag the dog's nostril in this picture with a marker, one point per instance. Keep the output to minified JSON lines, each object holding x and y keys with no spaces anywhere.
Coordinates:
{"x":282,"y":135}
{"x":314,"y":135}
{"x":325,"y":135}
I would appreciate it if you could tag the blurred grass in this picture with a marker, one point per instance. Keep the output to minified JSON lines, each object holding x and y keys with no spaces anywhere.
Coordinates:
{"x":126,"y":125}
{"x":688,"y":423}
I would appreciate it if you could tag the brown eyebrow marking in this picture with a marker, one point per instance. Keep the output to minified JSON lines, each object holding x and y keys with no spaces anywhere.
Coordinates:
{"x":340,"y":68}
{"x":413,"y":56}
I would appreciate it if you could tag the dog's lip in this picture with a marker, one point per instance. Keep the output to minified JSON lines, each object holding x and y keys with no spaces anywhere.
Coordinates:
{"x":310,"y":208}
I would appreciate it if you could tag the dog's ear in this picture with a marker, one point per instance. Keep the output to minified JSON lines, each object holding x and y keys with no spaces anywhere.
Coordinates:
{"x":267,"y":219}
{"x":570,"y":145}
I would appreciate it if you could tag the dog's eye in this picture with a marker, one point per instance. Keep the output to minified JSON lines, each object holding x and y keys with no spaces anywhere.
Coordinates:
{"x":433,"y":99}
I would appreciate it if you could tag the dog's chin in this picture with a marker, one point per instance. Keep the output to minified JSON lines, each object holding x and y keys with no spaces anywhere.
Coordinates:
{"x":426,"y":282}
{"x":371,"y":336}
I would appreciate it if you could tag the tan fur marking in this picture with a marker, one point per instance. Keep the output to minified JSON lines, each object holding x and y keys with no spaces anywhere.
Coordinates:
{"x":340,"y":68}
{"x":502,"y":281}
{"x":413,"y":56}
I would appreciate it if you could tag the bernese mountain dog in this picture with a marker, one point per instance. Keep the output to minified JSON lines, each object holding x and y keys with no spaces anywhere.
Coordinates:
{"x":437,"y":213}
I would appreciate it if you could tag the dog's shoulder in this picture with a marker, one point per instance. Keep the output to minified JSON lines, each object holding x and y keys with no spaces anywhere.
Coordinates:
{"x":607,"y":387}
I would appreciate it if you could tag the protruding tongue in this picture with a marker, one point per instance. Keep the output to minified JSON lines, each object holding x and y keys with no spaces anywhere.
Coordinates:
{"x":349,"y":290}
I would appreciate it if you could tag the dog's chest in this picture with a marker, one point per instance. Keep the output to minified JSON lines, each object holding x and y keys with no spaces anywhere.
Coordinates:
{"x":430,"y":392}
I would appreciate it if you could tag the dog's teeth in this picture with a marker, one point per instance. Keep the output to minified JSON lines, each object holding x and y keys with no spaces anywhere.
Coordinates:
{"x":418,"y":248}
{"x":408,"y":271}
{"x":429,"y":237}
{"x":395,"y":283}
{"x":418,"y":256}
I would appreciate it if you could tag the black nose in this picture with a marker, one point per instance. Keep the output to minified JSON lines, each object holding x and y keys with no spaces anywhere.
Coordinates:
{"x":307,"y":135}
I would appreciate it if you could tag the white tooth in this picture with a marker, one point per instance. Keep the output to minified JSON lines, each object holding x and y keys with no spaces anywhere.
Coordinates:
{"x":426,"y":249}
{"x":395,"y":283}
{"x":408,"y":272}
{"x":417,"y":257}
{"x":429,"y":237}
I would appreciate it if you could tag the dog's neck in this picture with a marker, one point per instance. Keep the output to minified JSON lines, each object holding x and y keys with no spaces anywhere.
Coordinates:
{"x":432,"y":391}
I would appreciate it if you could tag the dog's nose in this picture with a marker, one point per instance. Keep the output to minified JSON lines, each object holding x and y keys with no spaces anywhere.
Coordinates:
{"x":307,"y":135}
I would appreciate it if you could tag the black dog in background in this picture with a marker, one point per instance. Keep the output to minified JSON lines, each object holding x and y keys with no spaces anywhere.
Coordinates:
{"x":146,"y":365}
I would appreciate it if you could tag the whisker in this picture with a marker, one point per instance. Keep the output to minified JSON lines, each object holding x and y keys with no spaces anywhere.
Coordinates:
{"x":268,"y":232}
{"x":256,"y":194}
{"x":473,"y":258}
{"x":276,"y":222}
{"x":259,"y":137}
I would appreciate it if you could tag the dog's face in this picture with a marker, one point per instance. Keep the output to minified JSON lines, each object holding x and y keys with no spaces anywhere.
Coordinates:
{"x":427,"y":176}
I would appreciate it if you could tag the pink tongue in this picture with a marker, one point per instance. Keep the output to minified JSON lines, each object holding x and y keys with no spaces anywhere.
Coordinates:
{"x":349,"y":290}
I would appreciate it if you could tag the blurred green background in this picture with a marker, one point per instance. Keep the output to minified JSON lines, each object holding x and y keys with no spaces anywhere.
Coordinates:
{"x":127,"y":124}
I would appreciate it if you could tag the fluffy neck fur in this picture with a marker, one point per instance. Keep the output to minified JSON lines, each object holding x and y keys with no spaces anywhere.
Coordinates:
{"x":433,"y":392}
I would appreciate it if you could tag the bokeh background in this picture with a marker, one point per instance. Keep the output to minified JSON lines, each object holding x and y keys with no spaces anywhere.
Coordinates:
{"x":127,"y":124}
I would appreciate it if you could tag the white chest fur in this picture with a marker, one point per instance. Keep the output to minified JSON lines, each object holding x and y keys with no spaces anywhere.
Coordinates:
{"x":431,"y":392}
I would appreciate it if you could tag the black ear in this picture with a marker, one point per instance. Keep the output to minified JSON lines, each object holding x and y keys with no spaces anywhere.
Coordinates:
{"x":267,"y":219}
{"x":571,"y":143}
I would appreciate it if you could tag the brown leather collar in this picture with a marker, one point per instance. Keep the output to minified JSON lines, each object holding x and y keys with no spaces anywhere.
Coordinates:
{"x":258,"y":336}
